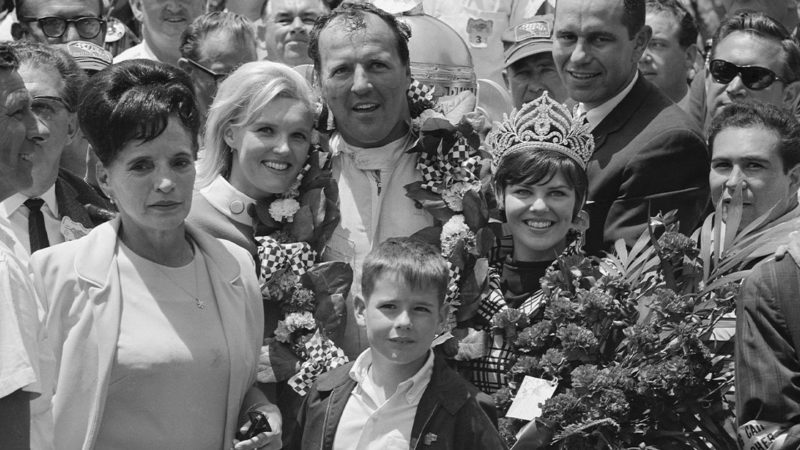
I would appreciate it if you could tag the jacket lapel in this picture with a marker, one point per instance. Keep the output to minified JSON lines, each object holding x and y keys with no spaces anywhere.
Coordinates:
{"x":620,"y":115}
{"x":228,"y":289}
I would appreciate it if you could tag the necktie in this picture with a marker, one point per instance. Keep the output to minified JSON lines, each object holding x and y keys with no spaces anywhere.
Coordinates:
{"x":37,"y":233}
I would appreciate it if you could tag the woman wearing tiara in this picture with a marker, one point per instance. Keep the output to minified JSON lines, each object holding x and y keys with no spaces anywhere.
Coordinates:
{"x":538,"y":173}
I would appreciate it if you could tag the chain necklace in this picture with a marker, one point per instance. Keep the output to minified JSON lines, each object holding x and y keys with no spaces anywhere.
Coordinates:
{"x":199,"y":303}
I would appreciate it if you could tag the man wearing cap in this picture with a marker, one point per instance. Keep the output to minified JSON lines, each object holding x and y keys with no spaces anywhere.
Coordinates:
{"x":529,"y":66}
{"x":51,"y":22}
{"x":649,"y":155}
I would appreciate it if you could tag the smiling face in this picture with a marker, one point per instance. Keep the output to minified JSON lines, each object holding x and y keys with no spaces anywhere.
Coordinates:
{"x":289,"y":24}
{"x":67,"y":9}
{"x":151,"y":182}
{"x":539,"y":217}
{"x":58,"y":124}
{"x":664,"y":62}
{"x":746,"y":49}
{"x":593,"y":52}
{"x":163,"y":21}
{"x":401,"y":322}
{"x":364,"y":81}
{"x":17,"y":123}
{"x":749,"y":156}
{"x":270,"y":152}
{"x":529,"y":77}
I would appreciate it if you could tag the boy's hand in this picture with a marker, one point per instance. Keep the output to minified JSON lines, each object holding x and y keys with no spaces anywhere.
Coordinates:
{"x":270,"y":440}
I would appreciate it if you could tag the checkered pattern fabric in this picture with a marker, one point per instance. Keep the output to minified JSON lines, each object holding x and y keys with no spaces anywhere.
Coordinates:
{"x":321,"y":355}
{"x":274,"y":257}
{"x":457,"y":164}
{"x":493,"y":300}
{"x":420,"y":98}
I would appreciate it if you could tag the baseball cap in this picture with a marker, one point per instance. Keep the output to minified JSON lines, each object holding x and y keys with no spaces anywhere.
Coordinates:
{"x":528,"y":38}
{"x":90,"y":57}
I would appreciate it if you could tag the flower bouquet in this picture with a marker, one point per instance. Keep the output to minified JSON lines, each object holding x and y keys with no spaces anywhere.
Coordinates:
{"x":310,"y":298}
{"x":625,"y":339}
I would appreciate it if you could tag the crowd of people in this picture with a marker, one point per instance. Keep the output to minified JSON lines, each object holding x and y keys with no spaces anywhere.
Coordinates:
{"x":157,"y":176}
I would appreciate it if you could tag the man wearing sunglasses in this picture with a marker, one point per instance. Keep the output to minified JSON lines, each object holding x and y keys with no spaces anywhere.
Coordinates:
{"x":59,"y":22}
{"x":753,"y":58}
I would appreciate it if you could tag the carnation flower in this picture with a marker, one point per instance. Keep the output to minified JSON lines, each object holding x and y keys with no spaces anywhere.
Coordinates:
{"x":577,"y":341}
{"x":295,"y":322}
{"x":302,"y":299}
{"x":535,"y":337}
{"x":454,"y":231}
{"x":674,"y":246}
{"x":561,"y":310}
{"x":508,"y":321}
{"x":281,"y":283}
{"x":453,"y":195}
{"x":283,"y":209}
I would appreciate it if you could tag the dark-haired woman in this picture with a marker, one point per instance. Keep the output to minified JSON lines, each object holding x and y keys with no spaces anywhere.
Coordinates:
{"x":539,"y":178}
{"x":156,"y":326}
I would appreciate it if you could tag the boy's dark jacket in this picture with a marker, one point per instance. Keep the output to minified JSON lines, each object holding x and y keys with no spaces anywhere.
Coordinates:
{"x":450,"y":414}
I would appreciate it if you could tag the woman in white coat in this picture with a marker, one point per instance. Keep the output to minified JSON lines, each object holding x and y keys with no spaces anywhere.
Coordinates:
{"x":156,"y":326}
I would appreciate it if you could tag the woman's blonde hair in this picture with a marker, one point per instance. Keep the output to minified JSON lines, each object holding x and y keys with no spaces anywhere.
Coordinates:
{"x":239,"y":101}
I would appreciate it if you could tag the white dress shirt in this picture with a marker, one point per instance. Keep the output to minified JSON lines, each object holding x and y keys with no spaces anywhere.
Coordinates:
{"x":367,"y":425}
{"x":16,"y":213}
{"x":596,"y":115}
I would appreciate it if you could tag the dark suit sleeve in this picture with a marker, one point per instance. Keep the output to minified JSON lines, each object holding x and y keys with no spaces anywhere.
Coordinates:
{"x":669,"y":172}
{"x":767,"y":365}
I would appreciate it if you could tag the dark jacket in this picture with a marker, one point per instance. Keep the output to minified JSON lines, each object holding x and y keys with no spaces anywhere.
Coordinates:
{"x":80,"y":202}
{"x":649,"y":156}
{"x":449,"y":416}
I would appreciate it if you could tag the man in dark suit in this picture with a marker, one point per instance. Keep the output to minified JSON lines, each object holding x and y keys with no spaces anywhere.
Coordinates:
{"x":58,"y":206}
{"x":649,"y":154}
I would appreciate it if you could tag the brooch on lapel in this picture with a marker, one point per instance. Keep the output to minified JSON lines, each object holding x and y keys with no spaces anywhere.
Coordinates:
{"x":72,"y":230}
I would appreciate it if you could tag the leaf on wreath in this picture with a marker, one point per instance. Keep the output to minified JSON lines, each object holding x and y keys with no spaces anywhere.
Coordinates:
{"x":331,"y":315}
{"x":471,"y":290}
{"x":302,"y":228}
{"x":431,"y":235}
{"x":476,"y":212}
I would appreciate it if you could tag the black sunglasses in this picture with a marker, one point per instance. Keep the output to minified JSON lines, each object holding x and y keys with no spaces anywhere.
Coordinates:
{"x":218,"y":77}
{"x":55,"y":27}
{"x":753,"y":77}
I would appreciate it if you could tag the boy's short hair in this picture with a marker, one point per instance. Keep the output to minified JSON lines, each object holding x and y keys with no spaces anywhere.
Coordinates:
{"x":418,"y":263}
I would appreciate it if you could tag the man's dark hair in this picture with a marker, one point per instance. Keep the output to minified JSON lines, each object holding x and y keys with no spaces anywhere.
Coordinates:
{"x":416,"y":263}
{"x":687,"y":27}
{"x":134,"y":100}
{"x":352,"y":14}
{"x":19,"y":4}
{"x":239,"y":28}
{"x":762,"y":115}
{"x":633,"y":16}
{"x":52,"y":59}
{"x":8,"y":60}
{"x":760,"y":24}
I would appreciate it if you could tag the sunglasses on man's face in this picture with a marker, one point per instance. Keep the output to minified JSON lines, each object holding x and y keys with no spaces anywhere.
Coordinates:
{"x":753,"y":77}
{"x":55,"y":27}
{"x":217,"y":76}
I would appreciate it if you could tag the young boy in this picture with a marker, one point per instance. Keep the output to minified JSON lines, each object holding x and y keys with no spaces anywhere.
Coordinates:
{"x":397,"y":394}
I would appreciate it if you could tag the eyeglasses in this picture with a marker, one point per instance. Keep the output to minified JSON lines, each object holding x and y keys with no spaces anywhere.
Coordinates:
{"x":753,"y":77}
{"x":45,"y":106}
{"x":55,"y":27}
{"x":218,"y":77}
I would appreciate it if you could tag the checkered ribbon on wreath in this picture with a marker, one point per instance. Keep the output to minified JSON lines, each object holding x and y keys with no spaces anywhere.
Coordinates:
{"x":274,"y":256}
{"x":442,"y":168}
{"x":322,"y":355}
{"x":420,"y":98}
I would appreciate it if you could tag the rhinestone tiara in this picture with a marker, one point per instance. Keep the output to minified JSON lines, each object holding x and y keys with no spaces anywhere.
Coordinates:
{"x":542,"y":124}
